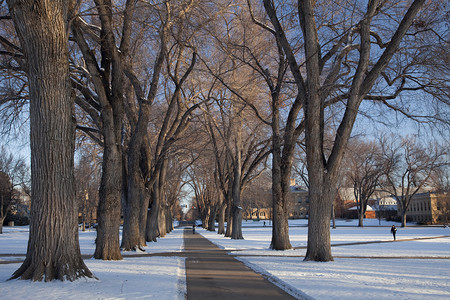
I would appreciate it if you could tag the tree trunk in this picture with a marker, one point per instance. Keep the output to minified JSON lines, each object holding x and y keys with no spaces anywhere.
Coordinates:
{"x":107,"y":243}
{"x":135,"y":211}
{"x":404,"y":219}
{"x":131,"y":240}
{"x":169,"y":219}
{"x":319,"y":241}
{"x":109,"y":88}
{"x":162,"y":220}
{"x":152,"y":229}
{"x":229,"y":219}
{"x":360,"y":217}
{"x":221,"y":228}
{"x":1,"y":224}
{"x":212,"y":218}
{"x":163,"y":207}
{"x":53,"y":248}
{"x":280,"y":225}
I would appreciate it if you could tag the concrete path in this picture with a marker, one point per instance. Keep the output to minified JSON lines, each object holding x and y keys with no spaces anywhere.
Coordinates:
{"x":212,"y":274}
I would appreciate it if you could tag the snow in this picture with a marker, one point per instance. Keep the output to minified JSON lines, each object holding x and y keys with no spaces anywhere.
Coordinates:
{"x":152,"y":277}
{"x":367,"y":265}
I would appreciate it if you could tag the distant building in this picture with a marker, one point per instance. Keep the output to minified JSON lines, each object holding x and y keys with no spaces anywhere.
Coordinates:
{"x":353,"y":212}
{"x":258,"y":214}
{"x":299,"y":204}
{"x":387,"y":203}
{"x":429,"y":208}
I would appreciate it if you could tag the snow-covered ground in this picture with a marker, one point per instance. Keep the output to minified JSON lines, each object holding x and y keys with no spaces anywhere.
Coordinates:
{"x":417,"y":269}
{"x":155,"y":277}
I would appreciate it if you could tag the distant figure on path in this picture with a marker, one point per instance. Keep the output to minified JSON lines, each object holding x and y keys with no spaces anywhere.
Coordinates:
{"x":193,"y":228}
{"x":393,"y":231}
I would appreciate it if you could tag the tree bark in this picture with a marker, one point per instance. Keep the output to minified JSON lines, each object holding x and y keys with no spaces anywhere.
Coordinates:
{"x":212,"y":218}
{"x":53,"y":248}
{"x":280,"y":225}
{"x":221,"y":228}
{"x":229,"y":219}
{"x":319,"y":240}
{"x":108,"y":82}
{"x":107,"y":244}
{"x":152,"y":229}
{"x":236,"y":232}
{"x":169,"y":219}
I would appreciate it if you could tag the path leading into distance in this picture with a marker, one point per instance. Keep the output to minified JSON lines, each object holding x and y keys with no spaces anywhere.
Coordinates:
{"x":213,"y":274}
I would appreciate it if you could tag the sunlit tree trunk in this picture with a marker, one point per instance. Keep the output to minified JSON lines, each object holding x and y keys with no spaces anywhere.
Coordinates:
{"x":53,"y":248}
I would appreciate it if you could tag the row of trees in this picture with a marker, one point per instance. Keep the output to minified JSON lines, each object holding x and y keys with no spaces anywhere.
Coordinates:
{"x":400,"y":167}
{"x":393,"y":165}
{"x":207,"y":91}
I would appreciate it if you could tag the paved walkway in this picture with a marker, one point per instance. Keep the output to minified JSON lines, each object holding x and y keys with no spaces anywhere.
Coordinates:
{"x":212,"y":274}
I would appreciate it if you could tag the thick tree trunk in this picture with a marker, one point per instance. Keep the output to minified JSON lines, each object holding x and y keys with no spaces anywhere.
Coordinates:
{"x":135,"y":210}
{"x":205,"y":219}
{"x":107,"y":244}
{"x":152,"y":229}
{"x":212,"y":218}
{"x":280,"y":227}
{"x":360,"y":219}
{"x":131,"y":238}
{"x":53,"y":249}
{"x":236,"y":233}
{"x":1,"y":224}
{"x":169,"y":220}
{"x":163,"y":207}
{"x":229,"y":219}
{"x":319,"y":241}
{"x":162,"y":220}
{"x":221,"y":225}
{"x":144,"y":203}
{"x":109,"y":88}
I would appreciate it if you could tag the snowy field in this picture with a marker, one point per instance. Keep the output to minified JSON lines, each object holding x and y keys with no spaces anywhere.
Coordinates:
{"x":155,"y":277}
{"x":380,"y":269}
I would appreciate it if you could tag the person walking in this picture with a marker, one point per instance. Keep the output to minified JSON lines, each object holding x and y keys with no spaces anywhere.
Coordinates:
{"x":193,"y":229}
{"x":393,"y":231}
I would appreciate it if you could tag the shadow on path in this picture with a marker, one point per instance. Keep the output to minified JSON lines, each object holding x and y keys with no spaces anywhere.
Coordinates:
{"x":212,"y":274}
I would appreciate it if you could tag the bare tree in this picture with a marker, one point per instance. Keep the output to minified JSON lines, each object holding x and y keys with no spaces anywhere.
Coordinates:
{"x":101,"y":69}
{"x":242,"y":157}
{"x":53,"y":248}
{"x":253,"y":52}
{"x":409,"y":169}
{"x":364,"y":169}
{"x":345,"y":64}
